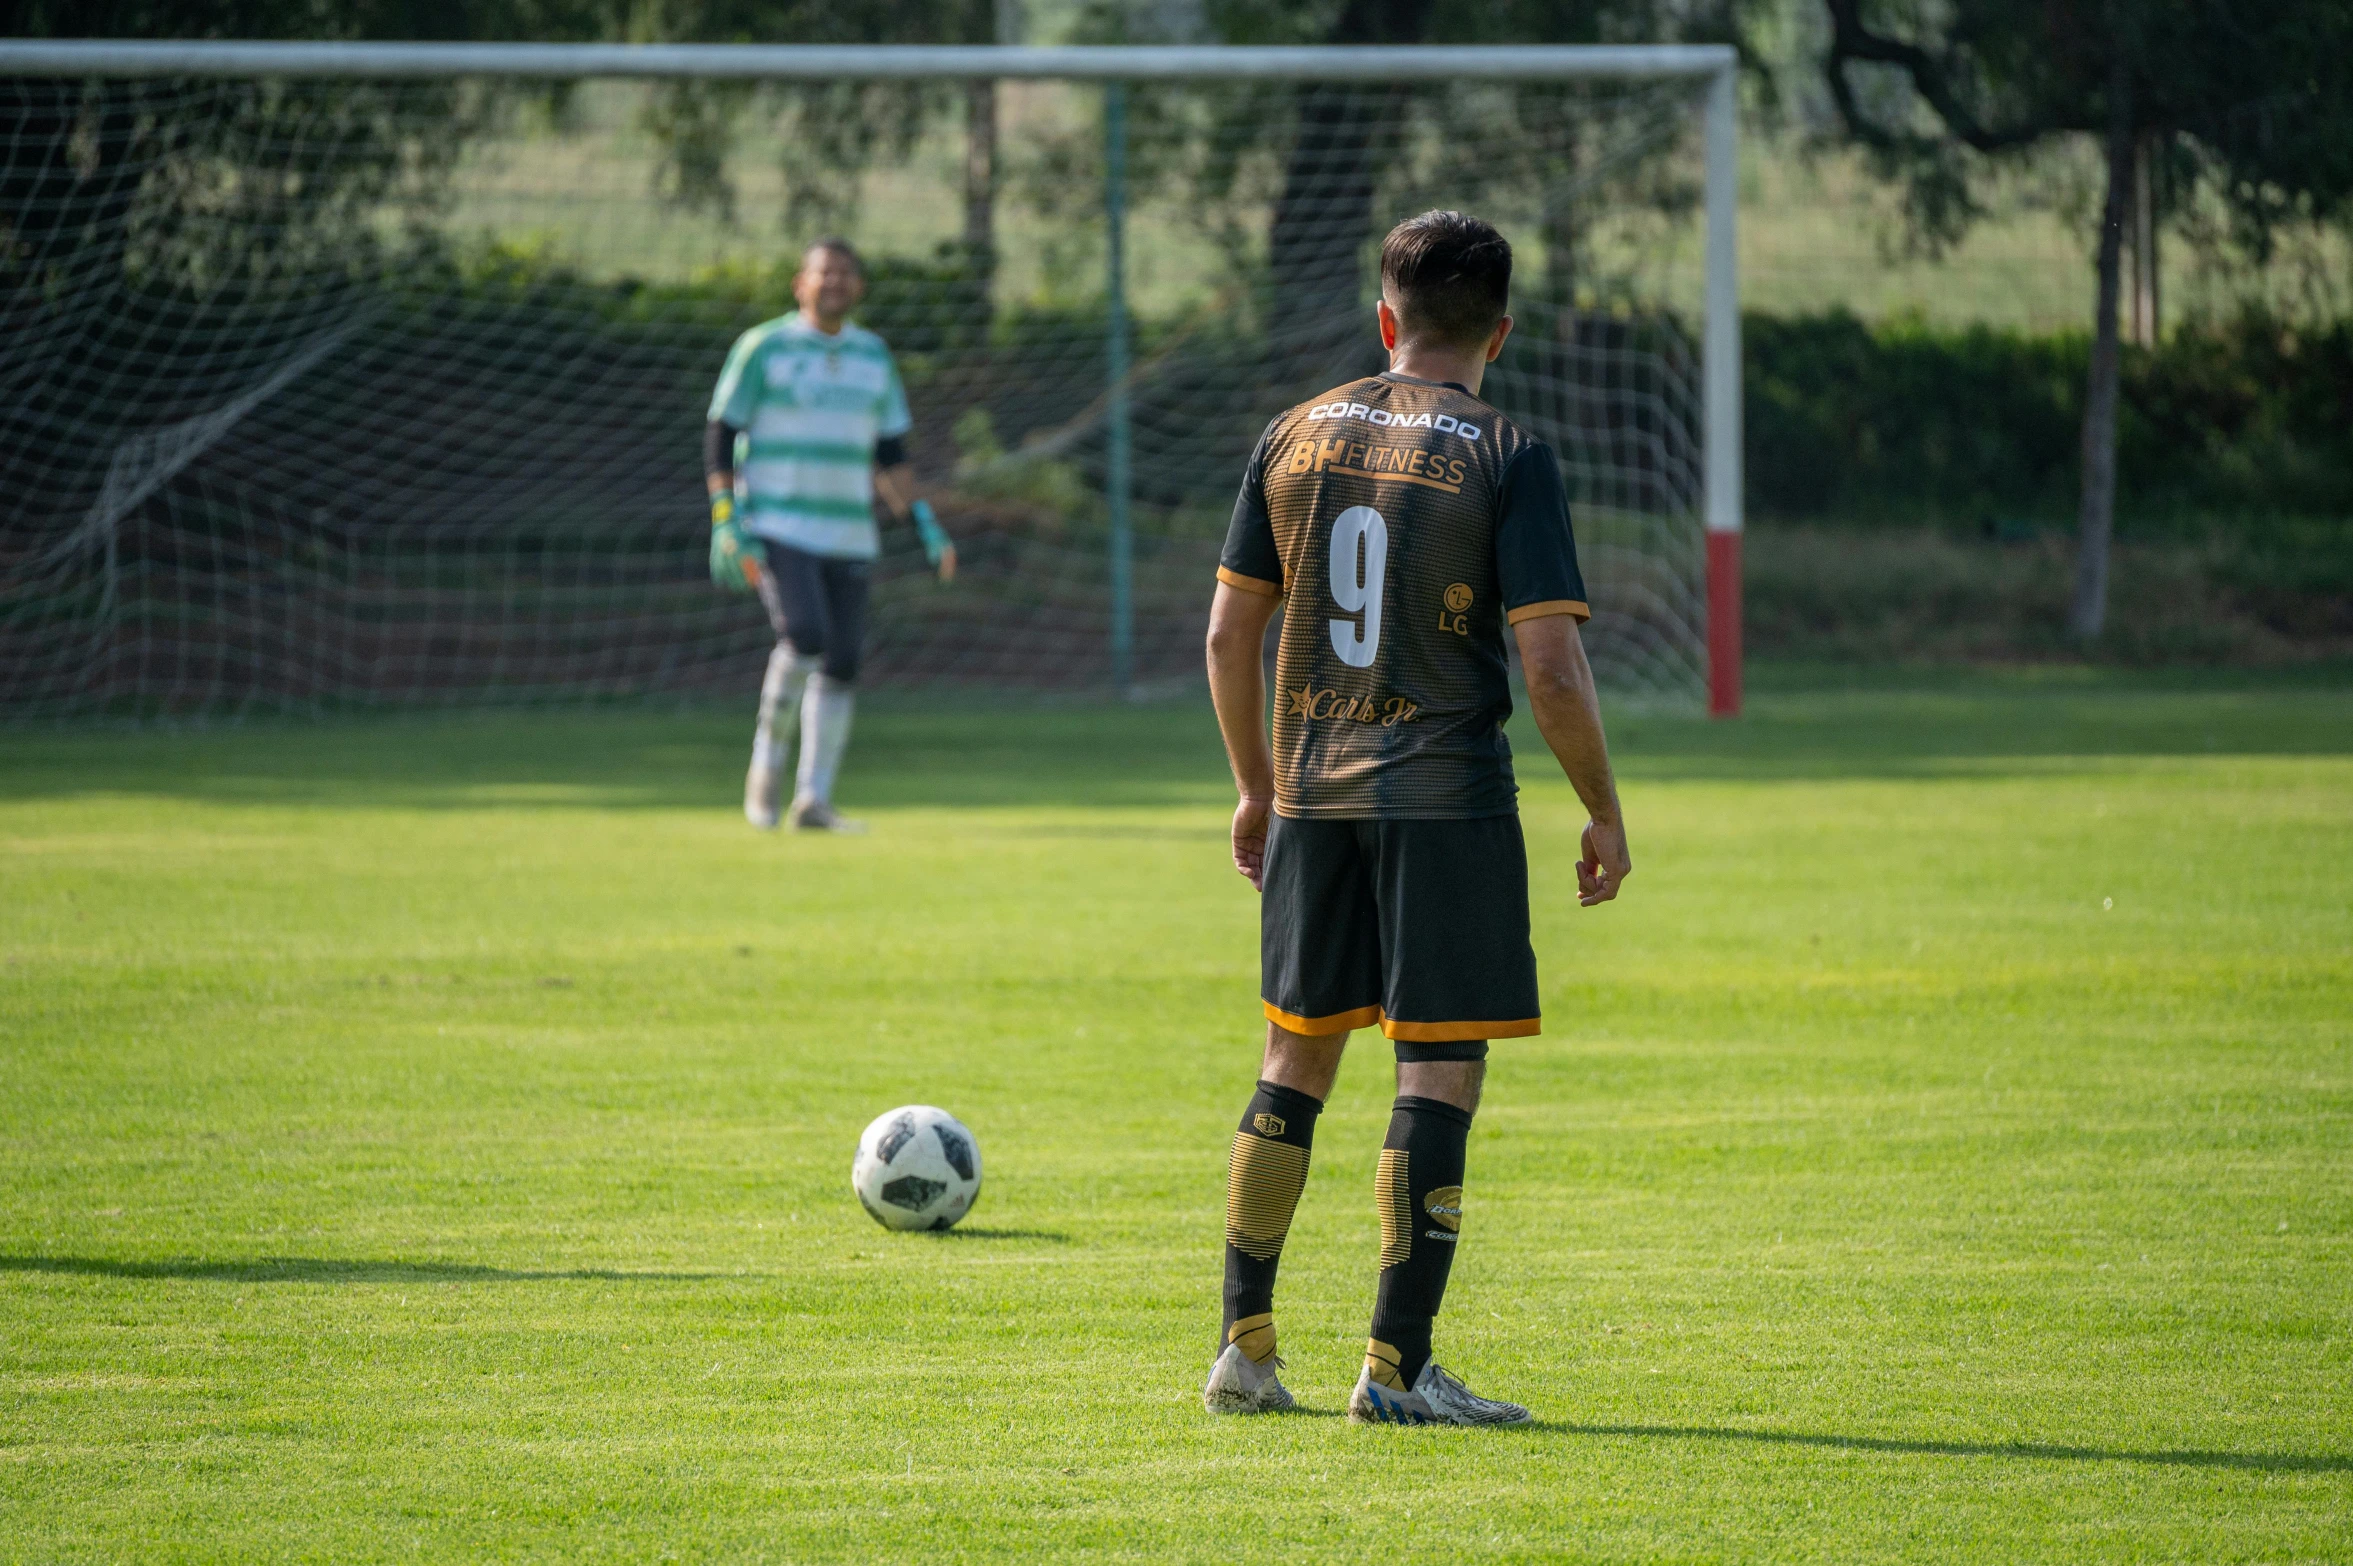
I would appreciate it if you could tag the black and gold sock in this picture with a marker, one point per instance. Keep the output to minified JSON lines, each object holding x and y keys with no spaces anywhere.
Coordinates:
{"x":1419,"y":1189}
{"x":1263,"y":1183}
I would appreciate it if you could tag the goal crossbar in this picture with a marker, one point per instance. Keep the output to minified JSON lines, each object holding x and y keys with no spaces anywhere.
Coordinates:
{"x":825,"y":62}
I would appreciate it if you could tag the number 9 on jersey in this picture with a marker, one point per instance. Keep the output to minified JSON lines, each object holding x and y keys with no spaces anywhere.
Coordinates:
{"x":1356,"y":586}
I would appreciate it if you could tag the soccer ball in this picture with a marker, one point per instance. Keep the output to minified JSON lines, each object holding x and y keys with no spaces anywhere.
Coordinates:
{"x":917,"y":1168}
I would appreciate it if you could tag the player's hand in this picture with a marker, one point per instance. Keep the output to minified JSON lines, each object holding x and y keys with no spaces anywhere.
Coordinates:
{"x":1604,"y":865}
{"x":1250,"y":840}
{"x":938,"y":548}
{"x":736,"y":557}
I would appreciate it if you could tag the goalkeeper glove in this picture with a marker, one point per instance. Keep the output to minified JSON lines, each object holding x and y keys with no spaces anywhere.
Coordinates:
{"x":937,"y":547}
{"x":736,"y":557}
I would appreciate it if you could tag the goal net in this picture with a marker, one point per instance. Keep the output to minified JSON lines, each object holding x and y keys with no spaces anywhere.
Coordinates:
{"x":361,"y":389}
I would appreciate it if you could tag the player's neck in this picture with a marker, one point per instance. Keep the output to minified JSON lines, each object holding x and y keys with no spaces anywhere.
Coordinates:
{"x":1426,"y":363}
{"x":825,"y":328}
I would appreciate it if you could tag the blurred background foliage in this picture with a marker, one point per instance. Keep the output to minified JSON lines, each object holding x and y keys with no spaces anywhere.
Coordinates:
{"x":1910,"y":422}
{"x":1915,"y":383}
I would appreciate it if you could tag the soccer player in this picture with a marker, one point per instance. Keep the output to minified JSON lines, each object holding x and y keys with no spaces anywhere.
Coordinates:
{"x":815,"y":403}
{"x":1400,"y":526}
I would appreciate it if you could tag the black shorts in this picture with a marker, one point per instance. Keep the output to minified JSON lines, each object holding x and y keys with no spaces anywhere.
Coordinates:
{"x":819,"y":606}
{"x":1419,"y":926}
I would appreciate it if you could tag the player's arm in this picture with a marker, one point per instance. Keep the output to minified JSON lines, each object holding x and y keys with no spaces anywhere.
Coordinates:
{"x":1250,"y":578}
{"x":719,"y":439}
{"x":1238,"y":619}
{"x":1568,"y":715}
{"x":736,"y":557}
{"x":1544,"y":598}
{"x":894,"y":480}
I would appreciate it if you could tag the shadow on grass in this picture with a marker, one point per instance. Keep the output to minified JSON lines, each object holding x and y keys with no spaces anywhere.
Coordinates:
{"x":1115,"y":833}
{"x":2033,"y":1451}
{"x":909,"y":753}
{"x":312,"y":1269}
{"x":1987,"y":723}
{"x":946,"y":1236}
{"x":922,"y":752}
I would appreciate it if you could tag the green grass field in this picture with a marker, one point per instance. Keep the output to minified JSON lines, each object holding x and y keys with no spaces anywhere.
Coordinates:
{"x":430,"y":1138}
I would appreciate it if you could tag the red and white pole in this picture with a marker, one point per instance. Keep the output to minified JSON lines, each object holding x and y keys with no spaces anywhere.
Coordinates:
{"x":1723,"y":623}
{"x":1720,"y":371}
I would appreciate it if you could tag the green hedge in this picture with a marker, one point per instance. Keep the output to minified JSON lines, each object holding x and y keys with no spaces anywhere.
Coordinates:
{"x":1898,"y":422}
{"x":1846,"y":420}
{"x":1904,"y":421}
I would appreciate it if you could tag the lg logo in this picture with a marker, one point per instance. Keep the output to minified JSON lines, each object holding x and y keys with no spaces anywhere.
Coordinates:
{"x":1451,"y":617}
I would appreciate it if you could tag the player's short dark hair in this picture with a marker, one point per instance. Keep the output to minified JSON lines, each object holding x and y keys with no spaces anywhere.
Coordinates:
{"x":840,"y":247}
{"x":1447,"y":275}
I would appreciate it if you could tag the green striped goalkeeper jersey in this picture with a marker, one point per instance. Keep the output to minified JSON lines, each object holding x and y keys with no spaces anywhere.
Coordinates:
{"x":811,"y":408}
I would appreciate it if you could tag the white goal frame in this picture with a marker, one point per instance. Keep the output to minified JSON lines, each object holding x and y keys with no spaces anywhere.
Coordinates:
{"x":1716,"y":64}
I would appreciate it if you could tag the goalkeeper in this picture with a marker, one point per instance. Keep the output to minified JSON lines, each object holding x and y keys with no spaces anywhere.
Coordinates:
{"x":814,"y":405}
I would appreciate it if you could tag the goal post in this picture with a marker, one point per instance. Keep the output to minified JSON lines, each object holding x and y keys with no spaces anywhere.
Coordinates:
{"x":1722,"y":418}
{"x":1174,"y":146}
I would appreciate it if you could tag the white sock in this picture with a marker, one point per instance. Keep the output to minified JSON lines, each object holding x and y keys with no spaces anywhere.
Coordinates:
{"x":779,"y":692}
{"x":825,"y":734}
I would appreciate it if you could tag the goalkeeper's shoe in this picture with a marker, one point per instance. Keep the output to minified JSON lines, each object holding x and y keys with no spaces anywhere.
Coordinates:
{"x":762,"y":785}
{"x":1239,"y":1384}
{"x":1436,"y":1399}
{"x":815,"y":815}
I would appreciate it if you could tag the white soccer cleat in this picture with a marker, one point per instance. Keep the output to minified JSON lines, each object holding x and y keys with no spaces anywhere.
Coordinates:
{"x":815,"y":815}
{"x":1436,"y":1399}
{"x":1239,"y":1384}
{"x":762,"y":784}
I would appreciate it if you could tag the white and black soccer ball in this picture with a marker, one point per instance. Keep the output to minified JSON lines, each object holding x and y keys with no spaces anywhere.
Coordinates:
{"x":917,"y":1168}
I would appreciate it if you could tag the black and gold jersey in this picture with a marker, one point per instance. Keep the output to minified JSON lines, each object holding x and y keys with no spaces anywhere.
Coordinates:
{"x":1407,"y":523}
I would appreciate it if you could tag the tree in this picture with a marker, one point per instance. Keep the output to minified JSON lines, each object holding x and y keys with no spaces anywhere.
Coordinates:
{"x":837,"y":129}
{"x":110,"y":190}
{"x":2255,"y":102}
{"x":1339,"y":137}
{"x":129,"y":210}
{"x":1331,"y":175}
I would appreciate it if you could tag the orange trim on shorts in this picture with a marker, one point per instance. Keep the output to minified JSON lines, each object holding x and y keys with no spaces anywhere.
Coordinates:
{"x":1250,"y":584}
{"x":1338,"y":1022}
{"x":1460,"y":1032}
{"x":1569,"y":606}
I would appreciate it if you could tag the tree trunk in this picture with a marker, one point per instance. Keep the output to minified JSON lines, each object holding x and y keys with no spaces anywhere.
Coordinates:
{"x":1561,"y":229}
{"x":1325,"y":212}
{"x":2145,"y":305}
{"x":2098,"y":518}
{"x":980,"y":187}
